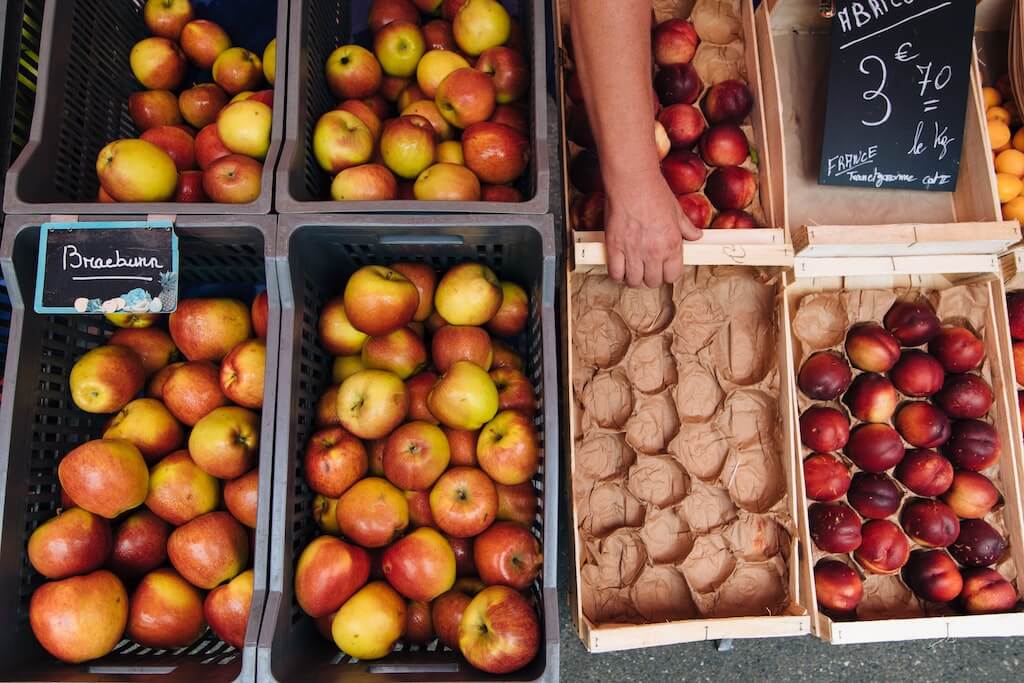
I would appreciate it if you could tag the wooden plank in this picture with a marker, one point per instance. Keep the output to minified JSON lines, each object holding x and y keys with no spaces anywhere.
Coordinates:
{"x":759,"y":246}
{"x":771,"y":104}
{"x":897,"y":265}
{"x":1012,"y":264}
{"x":816,"y":241}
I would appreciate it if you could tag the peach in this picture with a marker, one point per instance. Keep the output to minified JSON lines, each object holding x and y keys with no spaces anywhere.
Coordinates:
{"x":933,"y":576}
{"x":838,"y":586}
{"x":973,"y":445}
{"x":1015,"y":309}
{"x":925,"y":473}
{"x":587,"y":212}
{"x":971,"y":495}
{"x":724,"y":144}
{"x":674,"y":42}
{"x":824,"y":429}
{"x":985,"y":591}
{"x":957,"y":348}
{"x":684,"y":125}
{"x":678,"y":84}
{"x":696,"y":208}
{"x":875,"y":447}
{"x":824,"y":376}
{"x":874,"y":496}
{"x":978,"y":545}
{"x":731,"y":187}
{"x":585,"y":172}
{"x":872,"y":348}
{"x":734,"y":219}
{"x":964,"y":396}
{"x":834,"y":527}
{"x":826,"y":477}
{"x":728,"y":101}
{"x":922,"y":424}
{"x":930,"y":523}
{"x":912,"y":322}
{"x":684,"y":172}
{"x":917,"y":374}
{"x":871,"y":398}
{"x":884,"y":548}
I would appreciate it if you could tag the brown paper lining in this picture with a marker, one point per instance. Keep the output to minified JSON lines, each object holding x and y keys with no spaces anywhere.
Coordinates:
{"x":685,"y":462}
{"x":821,"y":322}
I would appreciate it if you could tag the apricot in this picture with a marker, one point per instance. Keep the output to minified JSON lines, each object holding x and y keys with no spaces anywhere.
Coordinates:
{"x":826,"y":477}
{"x":930,"y":523}
{"x":824,"y":376}
{"x":925,"y":472}
{"x":871,"y":398}
{"x":875,"y":447}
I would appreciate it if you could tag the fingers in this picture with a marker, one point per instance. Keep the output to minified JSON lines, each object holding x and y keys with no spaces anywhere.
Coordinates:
{"x":673,"y":268}
{"x":616,"y":263}
{"x":688,"y":229}
{"x":653,"y":275}
{"x":634,"y":271}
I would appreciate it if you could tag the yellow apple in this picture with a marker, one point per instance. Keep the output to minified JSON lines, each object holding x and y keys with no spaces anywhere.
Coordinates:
{"x":468,"y":294}
{"x":481,"y":24}
{"x":447,"y":182}
{"x":369,"y":624}
{"x":450,"y":152}
{"x":270,"y":61}
{"x":244,"y":128}
{"x":433,"y":68}
{"x":464,"y":398}
{"x":340,"y":140}
{"x":136,"y":171}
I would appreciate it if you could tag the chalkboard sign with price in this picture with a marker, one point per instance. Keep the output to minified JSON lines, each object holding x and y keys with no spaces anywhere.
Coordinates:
{"x":897,"y":93}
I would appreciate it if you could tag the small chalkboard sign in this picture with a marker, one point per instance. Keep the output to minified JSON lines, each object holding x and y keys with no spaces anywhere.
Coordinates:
{"x":897,"y":93}
{"x":100,"y":268}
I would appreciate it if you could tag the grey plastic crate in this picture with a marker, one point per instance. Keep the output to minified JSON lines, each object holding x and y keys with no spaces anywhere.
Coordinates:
{"x":39,"y":424}
{"x":84,"y":83}
{"x":319,"y":26}
{"x":315,"y":256}
{"x":20,"y":24}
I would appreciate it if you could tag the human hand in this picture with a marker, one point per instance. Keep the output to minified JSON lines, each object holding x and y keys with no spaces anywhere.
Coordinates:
{"x":644,"y":230}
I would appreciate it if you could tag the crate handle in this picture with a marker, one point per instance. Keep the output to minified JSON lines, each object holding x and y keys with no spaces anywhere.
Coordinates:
{"x":443,"y":240}
{"x":440,"y":668}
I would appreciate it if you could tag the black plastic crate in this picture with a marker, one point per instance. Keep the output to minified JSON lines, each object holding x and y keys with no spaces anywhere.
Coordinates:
{"x":315,"y":256}
{"x":316,"y":28}
{"x":39,"y":424}
{"x":83,"y":87}
{"x":20,"y":29}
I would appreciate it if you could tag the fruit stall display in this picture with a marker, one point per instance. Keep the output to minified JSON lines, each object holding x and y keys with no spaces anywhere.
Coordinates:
{"x":709,"y":127}
{"x":683,"y":508}
{"x":454,"y":457}
{"x":158,"y":107}
{"x":136,"y":503}
{"x":397,"y":102}
{"x":910,"y":509}
{"x":793,"y":40}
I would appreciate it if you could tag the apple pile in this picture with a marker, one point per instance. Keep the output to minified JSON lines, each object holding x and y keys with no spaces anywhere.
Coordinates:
{"x":922,"y":456}
{"x":422,"y":467}
{"x":170,"y":161}
{"x":149,"y":491}
{"x":434,"y":112}
{"x":705,"y":153}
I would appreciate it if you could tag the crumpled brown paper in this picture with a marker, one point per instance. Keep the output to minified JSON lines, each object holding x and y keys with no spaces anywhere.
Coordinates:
{"x":609,"y":398}
{"x":661,"y":594}
{"x":654,"y":423}
{"x":666,"y":535}
{"x":717,"y":21}
{"x":646,"y":311}
{"x":657,"y":480}
{"x":601,"y":338}
{"x":650,"y":364}
{"x":596,"y":291}
{"x":820,"y":322}
{"x":678,"y":447}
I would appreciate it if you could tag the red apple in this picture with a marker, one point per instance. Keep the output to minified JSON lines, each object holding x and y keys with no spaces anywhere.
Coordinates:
{"x":507,"y":554}
{"x":494,"y":152}
{"x":333,"y":461}
{"x":200,"y":104}
{"x":234,"y":179}
{"x":415,"y":455}
{"x":512,"y":115}
{"x":419,"y":387}
{"x":383,"y":12}
{"x":179,"y":145}
{"x":437,"y":34}
{"x":420,"y":566}
{"x":464,"y":502}
{"x":462,"y":444}
{"x":328,"y":572}
{"x":509,"y":71}
{"x":353,"y":72}
{"x":508,"y":449}
{"x":209,"y":147}
{"x":461,"y":342}
{"x":151,"y":108}
{"x":500,"y":631}
{"x":446,"y":614}
{"x":190,"y":187}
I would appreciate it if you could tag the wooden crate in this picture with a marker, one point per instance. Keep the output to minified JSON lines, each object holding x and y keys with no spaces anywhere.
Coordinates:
{"x":920,"y":273}
{"x":767,"y":245}
{"x":794,"y":42}
{"x":615,"y":637}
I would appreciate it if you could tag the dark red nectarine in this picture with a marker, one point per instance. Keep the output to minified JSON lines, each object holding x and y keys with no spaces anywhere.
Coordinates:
{"x":875,"y":447}
{"x":925,"y":472}
{"x":874,"y":496}
{"x":871,"y":398}
{"x":838,"y":586}
{"x":824,"y":376}
{"x":912,"y":322}
{"x":957,"y":348}
{"x":826,"y":477}
{"x":964,"y":396}
{"x":985,"y":591}
{"x":871,"y":348}
{"x":884,"y":549}
{"x":922,"y":424}
{"x":834,"y":527}
{"x":824,"y":429}
{"x":971,"y":495}
{"x":973,"y":445}
{"x":917,"y":374}
{"x":978,"y":545}
{"x":930,"y":523}
{"x":933,"y":575}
